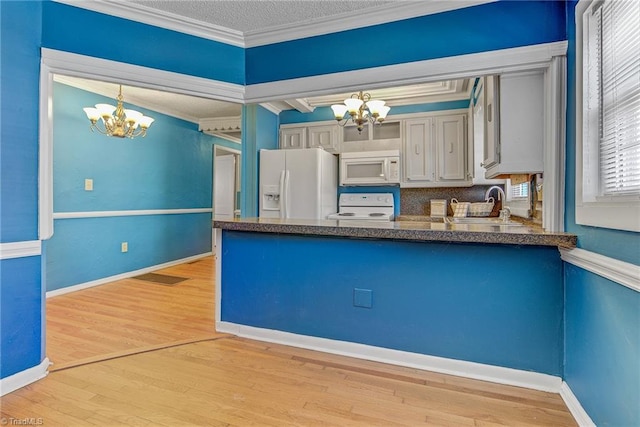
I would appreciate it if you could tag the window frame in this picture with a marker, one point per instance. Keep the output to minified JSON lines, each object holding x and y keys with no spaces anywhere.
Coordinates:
{"x":620,"y":213}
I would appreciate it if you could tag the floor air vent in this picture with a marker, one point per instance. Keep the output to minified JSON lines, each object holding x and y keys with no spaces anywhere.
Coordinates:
{"x":161,"y":279}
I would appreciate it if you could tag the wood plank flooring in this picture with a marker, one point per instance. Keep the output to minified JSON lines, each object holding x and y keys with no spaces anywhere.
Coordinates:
{"x":131,"y":315}
{"x":229,"y":381}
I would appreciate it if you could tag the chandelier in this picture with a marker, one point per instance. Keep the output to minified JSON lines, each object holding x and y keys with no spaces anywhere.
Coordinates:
{"x":361,"y":109}
{"x":122,"y":123}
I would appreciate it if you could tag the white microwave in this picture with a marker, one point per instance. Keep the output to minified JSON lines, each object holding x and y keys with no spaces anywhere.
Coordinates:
{"x":370,"y":168}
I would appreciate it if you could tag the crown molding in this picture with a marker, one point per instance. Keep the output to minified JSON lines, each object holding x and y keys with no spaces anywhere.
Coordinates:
{"x":396,"y":11}
{"x":271,"y":107}
{"x":158,"y":18}
{"x":325,"y":25}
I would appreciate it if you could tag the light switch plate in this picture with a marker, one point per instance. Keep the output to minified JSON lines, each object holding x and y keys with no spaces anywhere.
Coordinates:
{"x":124,"y":247}
{"x":88,"y":184}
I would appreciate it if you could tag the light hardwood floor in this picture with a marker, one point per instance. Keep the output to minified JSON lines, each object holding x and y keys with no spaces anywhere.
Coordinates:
{"x":224,"y":380}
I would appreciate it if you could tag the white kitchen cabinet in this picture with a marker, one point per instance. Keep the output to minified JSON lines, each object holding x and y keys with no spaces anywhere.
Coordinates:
{"x":491,"y":129}
{"x":311,"y":135}
{"x":476,"y":125}
{"x":418,"y":150}
{"x":514,"y":131}
{"x":293,"y":137}
{"x":324,"y":136}
{"x":435,"y":152}
{"x":451,"y":148}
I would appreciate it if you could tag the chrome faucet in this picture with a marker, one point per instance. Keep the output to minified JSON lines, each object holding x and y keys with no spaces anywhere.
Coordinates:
{"x":501,"y":195}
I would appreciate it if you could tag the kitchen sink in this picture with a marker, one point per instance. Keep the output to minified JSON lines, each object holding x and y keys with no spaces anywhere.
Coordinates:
{"x":482,"y":220}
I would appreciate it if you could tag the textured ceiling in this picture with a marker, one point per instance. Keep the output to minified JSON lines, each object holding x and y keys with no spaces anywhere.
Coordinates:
{"x":255,"y":15}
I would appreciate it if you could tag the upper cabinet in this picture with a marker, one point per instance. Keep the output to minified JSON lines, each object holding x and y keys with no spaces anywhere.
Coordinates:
{"x":435,"y":152}
{"x":379,"y":137}
{"x":325,"y":136}
{"x":293,"y":137}
{"x":514,"y":123}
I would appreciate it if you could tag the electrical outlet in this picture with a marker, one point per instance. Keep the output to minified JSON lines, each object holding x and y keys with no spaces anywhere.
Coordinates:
{"x":124,"y":246}
{"x":88,"y":184}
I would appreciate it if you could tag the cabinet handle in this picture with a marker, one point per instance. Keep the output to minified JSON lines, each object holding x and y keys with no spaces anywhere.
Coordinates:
{"x":417,"y":149}
{"x":450,"y":147}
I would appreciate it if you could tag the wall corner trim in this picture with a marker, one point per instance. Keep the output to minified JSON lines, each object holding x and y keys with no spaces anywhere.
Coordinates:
{"x":20,"y":249}
{"x":23,"y":378}
{"x":623,"y":273}
{"x":461,"y":368}
{"x":582,"y":418}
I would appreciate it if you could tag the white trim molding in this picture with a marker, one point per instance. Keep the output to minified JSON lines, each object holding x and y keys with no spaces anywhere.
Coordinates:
{"x":20,"y":249}
{"x":126,"y":275}
{"x":104,"y":214}
{"x":291,"y":31}
{"x":23,"y":378}
{"x":455,"y":67}
{"x":624,"y":273}
{"x":461,"y":368}
{"x":72,"y":64}
{"x":573,"y":404}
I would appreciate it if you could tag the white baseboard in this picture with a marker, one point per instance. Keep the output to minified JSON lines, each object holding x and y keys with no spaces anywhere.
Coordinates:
{"x":126,"y":275}
{"x":582,"y":418}
{"x":23,"y":378}
{"x":496,"y":374}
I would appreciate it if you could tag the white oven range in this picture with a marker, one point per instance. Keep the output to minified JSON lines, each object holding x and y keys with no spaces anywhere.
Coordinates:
{"x":365,"y":206}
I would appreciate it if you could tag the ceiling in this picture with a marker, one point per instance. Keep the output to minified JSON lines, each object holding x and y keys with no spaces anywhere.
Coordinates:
{"x":262,"y":17}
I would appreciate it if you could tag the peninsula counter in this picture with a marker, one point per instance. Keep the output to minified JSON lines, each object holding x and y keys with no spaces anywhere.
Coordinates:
{"x":474,"y":300}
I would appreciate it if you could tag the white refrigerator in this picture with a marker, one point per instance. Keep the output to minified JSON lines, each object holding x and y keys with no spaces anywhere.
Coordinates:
{"x":298,"y":183}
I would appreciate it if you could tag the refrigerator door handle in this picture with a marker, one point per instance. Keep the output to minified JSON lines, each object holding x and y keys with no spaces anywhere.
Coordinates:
{"x":286,"y":194}
{"x":282,"y":194}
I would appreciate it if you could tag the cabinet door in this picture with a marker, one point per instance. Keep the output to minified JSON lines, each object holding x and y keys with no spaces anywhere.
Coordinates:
{"x":491,"y":121}
{"x":325,"y":137}
{"x":293,"y":137}
{"x":451,"y":147}
{"x":418,"y":149}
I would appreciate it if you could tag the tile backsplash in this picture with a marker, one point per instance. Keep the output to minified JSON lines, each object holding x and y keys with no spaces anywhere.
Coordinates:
{"x":416,"y":201}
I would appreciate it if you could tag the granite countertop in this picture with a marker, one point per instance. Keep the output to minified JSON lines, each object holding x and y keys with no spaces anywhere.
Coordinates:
{"x":415,"y":229}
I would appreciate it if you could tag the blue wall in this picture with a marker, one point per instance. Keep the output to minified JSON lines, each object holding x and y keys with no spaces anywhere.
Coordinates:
{"x":20,"y":279}
{"x":259,"y":131}
{"x":170,"y":168}
{"x":602,"y":348}
{"x":602,"y":354}
{"x":76,"y":30}
{"x":440,"y":299}
{"x":499,"y":25}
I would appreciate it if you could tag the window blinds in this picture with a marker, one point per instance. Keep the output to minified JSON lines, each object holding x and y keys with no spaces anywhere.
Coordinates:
{"x":618,"y":50}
